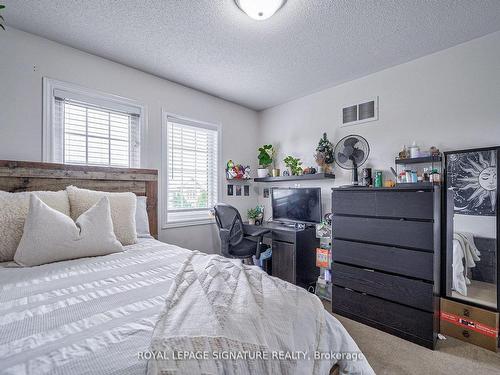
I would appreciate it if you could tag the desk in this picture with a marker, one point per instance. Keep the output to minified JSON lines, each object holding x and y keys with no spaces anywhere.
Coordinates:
{"x":294,"y":253}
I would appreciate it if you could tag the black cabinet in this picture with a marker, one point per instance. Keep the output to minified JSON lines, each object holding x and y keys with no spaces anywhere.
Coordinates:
{"x":294,"y":254}
{"x":284,"y":261}
{"x":386,"y":259}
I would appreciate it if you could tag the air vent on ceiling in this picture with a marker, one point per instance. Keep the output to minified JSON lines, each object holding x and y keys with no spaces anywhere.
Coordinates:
{"x":366,"y":110}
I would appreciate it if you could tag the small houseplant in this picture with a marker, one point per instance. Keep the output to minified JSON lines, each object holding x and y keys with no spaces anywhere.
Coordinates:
{"x":294,"y":165}
{"x":324,"y":154}
{"x":265,"y":160}
{"x":253,"y":214}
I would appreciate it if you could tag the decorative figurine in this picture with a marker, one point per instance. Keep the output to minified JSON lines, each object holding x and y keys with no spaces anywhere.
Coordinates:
{"x":434,"y":151}
{"x":310,"y":170}
{"x":246,"y":174}
{"x":403,"y":154}
{"x":237,"y":171}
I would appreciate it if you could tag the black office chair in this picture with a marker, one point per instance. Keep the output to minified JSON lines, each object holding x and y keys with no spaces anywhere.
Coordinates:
{"x":235,"y":236}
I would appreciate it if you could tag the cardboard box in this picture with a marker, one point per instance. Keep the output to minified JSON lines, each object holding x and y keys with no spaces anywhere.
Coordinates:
{"x":322,"y":258}
{"x":470,"y":324}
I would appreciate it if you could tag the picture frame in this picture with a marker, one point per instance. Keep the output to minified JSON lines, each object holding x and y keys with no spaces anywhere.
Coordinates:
{"x":266,"y":192}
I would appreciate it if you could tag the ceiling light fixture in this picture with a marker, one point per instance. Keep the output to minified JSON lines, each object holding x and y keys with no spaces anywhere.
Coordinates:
{"x":260,"y":9}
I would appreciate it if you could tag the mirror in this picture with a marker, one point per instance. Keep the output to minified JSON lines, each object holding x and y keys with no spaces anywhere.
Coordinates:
{"x":472,"y":225}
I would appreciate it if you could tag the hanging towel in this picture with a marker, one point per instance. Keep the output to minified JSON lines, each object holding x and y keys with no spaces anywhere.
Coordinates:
{"x":471,"y":252}
{"x":463,"y":248}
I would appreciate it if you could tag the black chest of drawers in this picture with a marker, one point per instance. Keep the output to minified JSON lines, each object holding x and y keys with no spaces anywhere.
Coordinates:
{"x":386,"y":259}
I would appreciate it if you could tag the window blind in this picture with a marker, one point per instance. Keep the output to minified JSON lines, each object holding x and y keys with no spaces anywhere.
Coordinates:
{"x":192,"y":187}
{"x":85,"y":133}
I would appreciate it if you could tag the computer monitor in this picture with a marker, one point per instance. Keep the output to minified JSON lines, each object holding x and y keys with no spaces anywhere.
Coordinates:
{"x":296,"y":205}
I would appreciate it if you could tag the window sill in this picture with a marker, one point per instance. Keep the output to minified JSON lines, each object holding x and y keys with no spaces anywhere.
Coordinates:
{"x":187,"y":223}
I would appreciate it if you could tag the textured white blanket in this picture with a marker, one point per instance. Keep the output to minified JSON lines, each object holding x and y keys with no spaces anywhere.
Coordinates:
{"x":223,"y":317}
{"x":85,"y":316}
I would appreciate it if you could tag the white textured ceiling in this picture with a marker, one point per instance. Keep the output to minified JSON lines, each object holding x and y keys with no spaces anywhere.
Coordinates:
{"x":212,"y":46}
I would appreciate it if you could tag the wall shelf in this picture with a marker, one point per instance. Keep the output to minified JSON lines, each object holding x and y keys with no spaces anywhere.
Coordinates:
{"x":425,"y":159}
{"x":304,"y":177}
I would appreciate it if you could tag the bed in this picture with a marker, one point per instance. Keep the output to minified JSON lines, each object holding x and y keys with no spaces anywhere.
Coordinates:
{"x":97,"y":315}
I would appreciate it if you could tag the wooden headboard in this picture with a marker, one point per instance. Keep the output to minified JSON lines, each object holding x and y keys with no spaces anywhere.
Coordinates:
{"x":16,"y":176}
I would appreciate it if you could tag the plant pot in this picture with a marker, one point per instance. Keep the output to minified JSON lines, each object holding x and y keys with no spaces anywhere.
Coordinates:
{"x":262,"y":172}
{"x":251,"y":221}
{"x":275,"y":172}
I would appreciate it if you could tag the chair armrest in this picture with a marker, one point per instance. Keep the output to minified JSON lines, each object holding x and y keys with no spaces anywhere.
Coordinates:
{"x":254,"y":231}
{"x":225,"y":238}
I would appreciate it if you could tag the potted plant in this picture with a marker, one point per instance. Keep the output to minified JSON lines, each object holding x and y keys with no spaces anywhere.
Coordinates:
{"x":265,"y":160}
{"x":253,"y":214}
{"x":324,"y":155}
{"x":294,"y":165}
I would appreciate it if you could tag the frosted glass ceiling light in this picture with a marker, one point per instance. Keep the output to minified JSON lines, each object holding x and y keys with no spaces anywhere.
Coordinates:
{"x":260,"y":9}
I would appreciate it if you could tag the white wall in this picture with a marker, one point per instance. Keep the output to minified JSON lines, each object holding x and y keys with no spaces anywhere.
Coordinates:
{"x":26,"y":58}
{"x":450,"y":99}
{"x":481,"y":226}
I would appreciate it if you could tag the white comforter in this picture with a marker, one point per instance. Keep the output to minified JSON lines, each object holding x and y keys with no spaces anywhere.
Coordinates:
{"x":224,"y":317}
{"x":95,"y":315}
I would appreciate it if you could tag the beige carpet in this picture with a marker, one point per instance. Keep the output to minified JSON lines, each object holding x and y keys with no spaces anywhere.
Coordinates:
{"x":388,"y":354}
{"x":479,"y":292}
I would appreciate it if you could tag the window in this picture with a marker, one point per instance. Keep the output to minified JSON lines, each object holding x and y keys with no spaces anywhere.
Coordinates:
{"x":191,"y":162}
{"x":90,"y":128}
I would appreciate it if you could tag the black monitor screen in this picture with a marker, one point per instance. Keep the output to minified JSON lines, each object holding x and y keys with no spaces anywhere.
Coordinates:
{"x":296,"y":204}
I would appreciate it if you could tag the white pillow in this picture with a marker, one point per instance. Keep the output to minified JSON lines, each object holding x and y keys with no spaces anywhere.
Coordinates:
{"x":50,"y":236}
{"x":122,"y":206}
{"x":141,"y":218}
{"x":13,"y":212}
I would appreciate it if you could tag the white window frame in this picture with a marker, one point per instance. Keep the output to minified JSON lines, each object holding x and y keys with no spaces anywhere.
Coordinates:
{"x":93,"y":97}
{"x":195,"y":219}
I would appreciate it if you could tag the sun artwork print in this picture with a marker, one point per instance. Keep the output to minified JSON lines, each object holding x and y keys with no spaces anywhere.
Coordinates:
{"x":474,"y":178}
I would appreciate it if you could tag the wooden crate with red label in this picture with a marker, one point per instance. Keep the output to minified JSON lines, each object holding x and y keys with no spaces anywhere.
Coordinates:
{"x":471,"y":324}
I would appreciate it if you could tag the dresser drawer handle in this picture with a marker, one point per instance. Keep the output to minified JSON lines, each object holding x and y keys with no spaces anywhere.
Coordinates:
{"x":368,"y":270}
